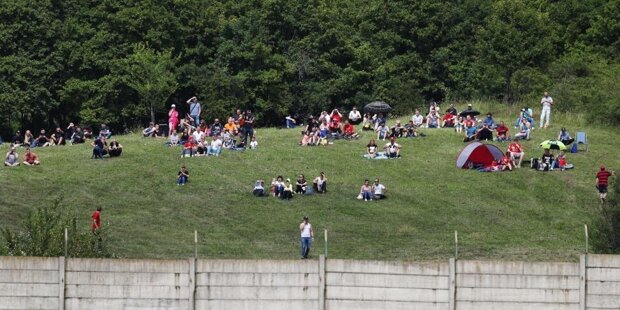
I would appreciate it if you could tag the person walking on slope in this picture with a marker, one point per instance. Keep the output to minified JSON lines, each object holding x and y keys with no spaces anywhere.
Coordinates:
{"x":307,"y":236}
{"x":602,"y":181}
{"x":96,"y":219}
{"x":546,"y":103}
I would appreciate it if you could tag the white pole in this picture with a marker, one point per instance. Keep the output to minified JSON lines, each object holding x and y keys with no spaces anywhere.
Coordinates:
{"x":325,"y":242}
{"x":66,"y":240}
{"x":456,"y":244}
{"x":195,"y":244}
{"x":585,"y":227}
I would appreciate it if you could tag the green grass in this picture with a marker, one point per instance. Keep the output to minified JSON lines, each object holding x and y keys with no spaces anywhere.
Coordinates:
{"x":520,"y":215}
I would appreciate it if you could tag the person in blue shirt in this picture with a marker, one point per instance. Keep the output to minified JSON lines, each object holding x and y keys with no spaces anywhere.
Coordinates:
{"x":470,"y":133}
{"x":489,"y":121}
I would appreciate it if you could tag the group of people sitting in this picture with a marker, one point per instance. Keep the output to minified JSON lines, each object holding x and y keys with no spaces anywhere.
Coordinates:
{"x":101,"y":148}
{"x":72,"y":135}
{"x":328,"y":127}
{"x":391,"y":150}
{"x":369,"y":192}
{"x":283,"y":189}
{"x":11,"y":159}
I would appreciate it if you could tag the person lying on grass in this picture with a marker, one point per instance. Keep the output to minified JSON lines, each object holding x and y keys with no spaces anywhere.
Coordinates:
{"x":31,"y":158}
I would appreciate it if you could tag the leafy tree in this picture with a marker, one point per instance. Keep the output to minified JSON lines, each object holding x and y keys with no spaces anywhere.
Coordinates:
{"x":150,"y":74}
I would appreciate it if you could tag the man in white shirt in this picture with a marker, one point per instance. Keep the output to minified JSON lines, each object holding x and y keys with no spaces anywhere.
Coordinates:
{"x":215,"y":148}
{"x":546,"y":103}
{"x":198,"y":135}
{"x":354,"y":116}
{"x":378,"y":190}
{"x":307,"y":236}
{"x":417,"y":118}
{"x":392,"y":149}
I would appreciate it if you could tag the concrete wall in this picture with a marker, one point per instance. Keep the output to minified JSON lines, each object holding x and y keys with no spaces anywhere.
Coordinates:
{"x":603,"y":282}
{"x":386,"y":285}
{"x":245,"y":284}
{"x":29,"y":282}
{"x":56,"y":283}
{"x":484,"y":285}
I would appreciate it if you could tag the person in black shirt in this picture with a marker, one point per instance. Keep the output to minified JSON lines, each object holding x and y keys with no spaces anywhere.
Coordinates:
{"x":58,"y":138}
{"x":216,"y":128}
{"x":77,"y":136}
{"x":397,"y":130}
{"x":99,"y":148}
{"x":43,"y":140}
{"x":484,"y":133}
{"x":546,"y":161}
{"x":17,"y":138}
{"x":183,"y":176}
{"x":248,"y":126}
{"x":69,"y":132}
{"x":115,"y":149}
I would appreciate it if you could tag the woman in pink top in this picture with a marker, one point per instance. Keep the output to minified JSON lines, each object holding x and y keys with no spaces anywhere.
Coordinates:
{"x":173,"y":119}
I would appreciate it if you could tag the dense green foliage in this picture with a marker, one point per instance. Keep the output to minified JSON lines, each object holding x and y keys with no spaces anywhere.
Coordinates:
{"x":68,"y":60}
{"x":519,"y":215}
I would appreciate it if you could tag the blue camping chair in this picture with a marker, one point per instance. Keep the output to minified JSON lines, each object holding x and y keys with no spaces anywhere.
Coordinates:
{"x":582,"y":138}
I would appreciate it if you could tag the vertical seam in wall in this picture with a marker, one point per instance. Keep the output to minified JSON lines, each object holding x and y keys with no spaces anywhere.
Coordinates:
{"x":452,"y":284}
{"x":61,"y":282}
{"x":192,"y":283}
{"x":322,"y":285}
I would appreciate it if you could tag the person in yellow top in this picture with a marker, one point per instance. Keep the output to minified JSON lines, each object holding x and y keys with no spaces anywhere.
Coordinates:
{"x":232,"y":127}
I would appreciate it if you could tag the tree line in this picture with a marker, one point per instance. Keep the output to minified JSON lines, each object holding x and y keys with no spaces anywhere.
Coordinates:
{"x":118,"y":62}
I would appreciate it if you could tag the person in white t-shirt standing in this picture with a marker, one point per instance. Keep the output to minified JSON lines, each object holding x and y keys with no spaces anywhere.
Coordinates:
{"x":307,"y":236}
{"x":546,"y":103}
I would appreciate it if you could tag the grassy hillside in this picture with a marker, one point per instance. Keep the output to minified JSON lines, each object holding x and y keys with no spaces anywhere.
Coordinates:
{"x":515,"y":215}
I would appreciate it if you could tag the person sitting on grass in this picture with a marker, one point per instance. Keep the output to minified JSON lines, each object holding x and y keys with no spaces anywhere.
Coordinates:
{"x":379,"y":189}
{"x":392,"y":149}
{"x":185,"y":135}
{"x":432,"y":119}
{"x":502,"y":132}
{"x":484,"y":133}
{"x":459,"y":124}
{"x":367,"y":122}
{"x":516,"y":153}
{"x":371,"y":149}
{"x":233,"y":129}
{"x":382,"y":132}
{"x":99,"y":147}
{"x":187,"y":123}
{"x":215,"y":148}
{"x":253,"y":143}
{"x":470,"y":131}
{"x":189,"y":148}
{"x":489,"y":121}
{"x":277,"y":186}
{"x":417,"y":119}
{"x":366,"y":191}
{"x":355,"y":118}
{"x":524,"y":130}
{"x":320,"y":183}
{"x":506,"y":162}
{"x":183,"y":176}
{"x":11,"y":159}
{"x":301,"y":185}
{"x":287,"y":192}
{"x":17,"y":138}
{"x":565,"y":137}
{"x":349,"y":131}
{"x":105,"y":131}
{"x":201,"y":147}
{"x":397,"y":130}
{"x":29,"y":140}
{"x":31,"y":158}
{"x":173,"y":139}
{"x":411,"y":130}
{"x":560,"y":162}
{"x":78,"y":136}
{"x":448,"y":120}
{"x":43,"y":140}
{"x":546,"y":161}
{"x":58,"y":137}
{"x":151,"y":131}
{"x":115,"y":149}
{"x":259,"y":188}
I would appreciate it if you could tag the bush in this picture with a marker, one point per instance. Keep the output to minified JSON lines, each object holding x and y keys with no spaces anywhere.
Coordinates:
{"x":43,"y":235}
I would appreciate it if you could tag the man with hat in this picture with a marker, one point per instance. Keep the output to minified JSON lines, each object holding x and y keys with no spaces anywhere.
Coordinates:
{"x":307,"y":236}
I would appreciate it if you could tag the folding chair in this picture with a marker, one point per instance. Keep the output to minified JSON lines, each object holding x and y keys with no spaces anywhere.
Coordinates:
{"x":582,"y":138}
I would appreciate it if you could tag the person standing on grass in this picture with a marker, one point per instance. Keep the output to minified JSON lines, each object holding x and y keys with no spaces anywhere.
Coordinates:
{"x":546,"y":103}
{"x":602,"y":181}
{"x":183,"y":176}
{"x":173,"y":119}
{"x":248,"y":126}
{"x":96,"y":219}
{"x":307,"y":236}
{"x":194,"y":110}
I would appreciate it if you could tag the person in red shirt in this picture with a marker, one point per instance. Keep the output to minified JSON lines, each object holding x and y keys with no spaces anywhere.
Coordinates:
{"x":516,"y":151}
{"x":96,"y":219}
{"x":503,"y":133}
{"x":349,"y":130}
{"x":602,"y":181}
{"x":189,"y":148}
{"x":31,"y":158}
{"x":506,"y":162}
{"x":448,"y":120}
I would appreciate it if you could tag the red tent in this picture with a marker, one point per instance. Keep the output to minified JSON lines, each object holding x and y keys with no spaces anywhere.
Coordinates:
{"x":478,"y":154}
